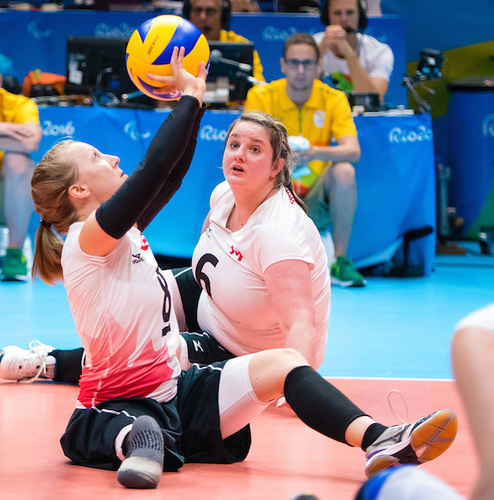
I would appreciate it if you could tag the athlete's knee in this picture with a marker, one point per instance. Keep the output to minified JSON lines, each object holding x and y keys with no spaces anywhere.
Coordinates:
{"x":291,"y":357}
{"x":17,"y":164}
{"x":343,"y":173}
{"x":268,"y":371}
{"x":282,"y":361}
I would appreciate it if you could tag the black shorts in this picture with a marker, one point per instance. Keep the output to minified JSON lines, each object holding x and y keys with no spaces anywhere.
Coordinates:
{"x":204,"y":348}
{"x":190,"y":424}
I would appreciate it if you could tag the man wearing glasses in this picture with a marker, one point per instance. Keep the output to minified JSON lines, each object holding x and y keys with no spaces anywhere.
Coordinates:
{"x":315,"y":115}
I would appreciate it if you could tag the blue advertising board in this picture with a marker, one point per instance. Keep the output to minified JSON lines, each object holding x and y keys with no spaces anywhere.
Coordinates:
{"x":395,"y":177}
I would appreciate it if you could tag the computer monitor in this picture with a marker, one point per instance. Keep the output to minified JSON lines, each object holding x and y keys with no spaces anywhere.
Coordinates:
{"x":97,"y":64}
{"x":233,"y":61}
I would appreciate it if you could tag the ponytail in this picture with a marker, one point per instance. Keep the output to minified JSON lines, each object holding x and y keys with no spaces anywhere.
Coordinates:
{"x":50,"y":183}
{"x":47,"y":256}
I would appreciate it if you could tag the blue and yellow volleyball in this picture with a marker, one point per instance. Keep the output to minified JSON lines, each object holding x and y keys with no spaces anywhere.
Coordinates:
{"x":150,"y":49}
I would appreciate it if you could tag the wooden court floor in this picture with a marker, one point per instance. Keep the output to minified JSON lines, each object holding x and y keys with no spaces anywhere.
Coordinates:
{"x":286,"y":457}
{"x":395,"y":334}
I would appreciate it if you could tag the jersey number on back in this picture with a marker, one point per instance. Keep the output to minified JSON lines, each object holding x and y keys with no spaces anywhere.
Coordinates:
{"x":167,"y":302}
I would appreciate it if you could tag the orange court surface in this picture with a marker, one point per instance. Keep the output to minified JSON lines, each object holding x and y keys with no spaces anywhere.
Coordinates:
{"x":393,"y":335}
{"x":286,"y":457}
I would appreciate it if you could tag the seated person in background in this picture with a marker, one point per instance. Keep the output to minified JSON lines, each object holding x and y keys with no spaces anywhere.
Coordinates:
{"x":20,"y":134}
{"x":245,"y":6}
{"x":323,"y":174}
{"x":473,"y":366}
{"x":299,"y":6}
{"x":212,"y":17}
{"x":354,"y":61}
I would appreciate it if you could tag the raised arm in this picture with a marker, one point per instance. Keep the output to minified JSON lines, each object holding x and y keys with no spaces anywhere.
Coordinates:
{"x":104,"y":227}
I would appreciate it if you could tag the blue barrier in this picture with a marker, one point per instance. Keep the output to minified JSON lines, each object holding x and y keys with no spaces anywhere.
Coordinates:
{"x":395,"y":178}
{"x":471,"y":156}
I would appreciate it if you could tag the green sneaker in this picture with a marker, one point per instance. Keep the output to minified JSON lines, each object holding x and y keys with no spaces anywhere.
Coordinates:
{"x":14,"y":265}
{"x":344,"y":274}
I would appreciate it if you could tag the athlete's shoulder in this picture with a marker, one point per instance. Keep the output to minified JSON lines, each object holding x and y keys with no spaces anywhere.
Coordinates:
{"x":220,"y":192}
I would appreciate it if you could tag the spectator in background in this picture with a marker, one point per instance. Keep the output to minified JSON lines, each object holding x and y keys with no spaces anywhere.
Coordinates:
{"x":245,"y":6}
{"x":212,"y":17}
{"x":323,"y":173}
{"x":20,"y":133}
{"x":299,"y":6}
{"x":354,"y":61}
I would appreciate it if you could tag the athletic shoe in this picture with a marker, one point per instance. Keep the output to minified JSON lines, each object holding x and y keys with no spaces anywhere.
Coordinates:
{"x":25,"y":365}
{"x":14,"y":265}
{"x":143,"y":463}
{"x":344,"y":274}
{"x":415,"y":443}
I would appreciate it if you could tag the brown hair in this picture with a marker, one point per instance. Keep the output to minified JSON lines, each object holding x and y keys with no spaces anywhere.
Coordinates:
{"x":52,"y":177}
{"x":301,"y":39}
{"x":278,"y":139}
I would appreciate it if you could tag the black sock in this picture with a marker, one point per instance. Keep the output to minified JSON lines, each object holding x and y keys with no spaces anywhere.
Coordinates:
{"x":319,"y":404}
{"x":68,"y":366}
{"x":371,"y":434}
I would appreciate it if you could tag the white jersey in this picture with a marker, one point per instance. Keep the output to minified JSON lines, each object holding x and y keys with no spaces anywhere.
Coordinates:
{"x":235,"y":305}
{"x":122,"y":311}
{"x":375,"y":57}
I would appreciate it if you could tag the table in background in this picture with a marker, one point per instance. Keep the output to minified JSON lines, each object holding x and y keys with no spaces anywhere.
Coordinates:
{"x":395,"y":177}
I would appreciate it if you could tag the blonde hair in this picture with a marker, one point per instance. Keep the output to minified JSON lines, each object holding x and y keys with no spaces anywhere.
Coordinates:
{"x":50,"y":183}
{"x":278,"y":138}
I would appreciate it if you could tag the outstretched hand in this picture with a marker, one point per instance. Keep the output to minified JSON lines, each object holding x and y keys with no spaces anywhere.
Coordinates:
{"x":182,"y":80}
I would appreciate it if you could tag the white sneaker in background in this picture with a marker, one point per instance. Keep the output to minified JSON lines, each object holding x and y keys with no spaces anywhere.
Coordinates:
{"x":26,"y":365}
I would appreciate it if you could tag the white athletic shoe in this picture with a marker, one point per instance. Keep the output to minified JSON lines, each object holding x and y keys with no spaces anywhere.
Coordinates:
{"x":414,"y":443}
{"x":25,"y":365}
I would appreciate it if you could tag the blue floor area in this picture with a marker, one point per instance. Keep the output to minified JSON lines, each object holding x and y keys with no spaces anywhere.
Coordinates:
{"x":393,"y":328}
{"x":402,"y":327}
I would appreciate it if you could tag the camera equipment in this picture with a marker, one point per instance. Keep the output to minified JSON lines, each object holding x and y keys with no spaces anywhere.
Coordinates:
{"x":428,"y":68}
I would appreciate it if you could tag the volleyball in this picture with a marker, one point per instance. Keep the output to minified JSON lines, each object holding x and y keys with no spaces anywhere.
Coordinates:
{"x":150,"y":48}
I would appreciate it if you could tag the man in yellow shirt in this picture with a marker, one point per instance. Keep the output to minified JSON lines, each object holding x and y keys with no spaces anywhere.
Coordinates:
{"x":20,"y":133}
{"x":316,"y":115}
{"x":212,"y":17}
